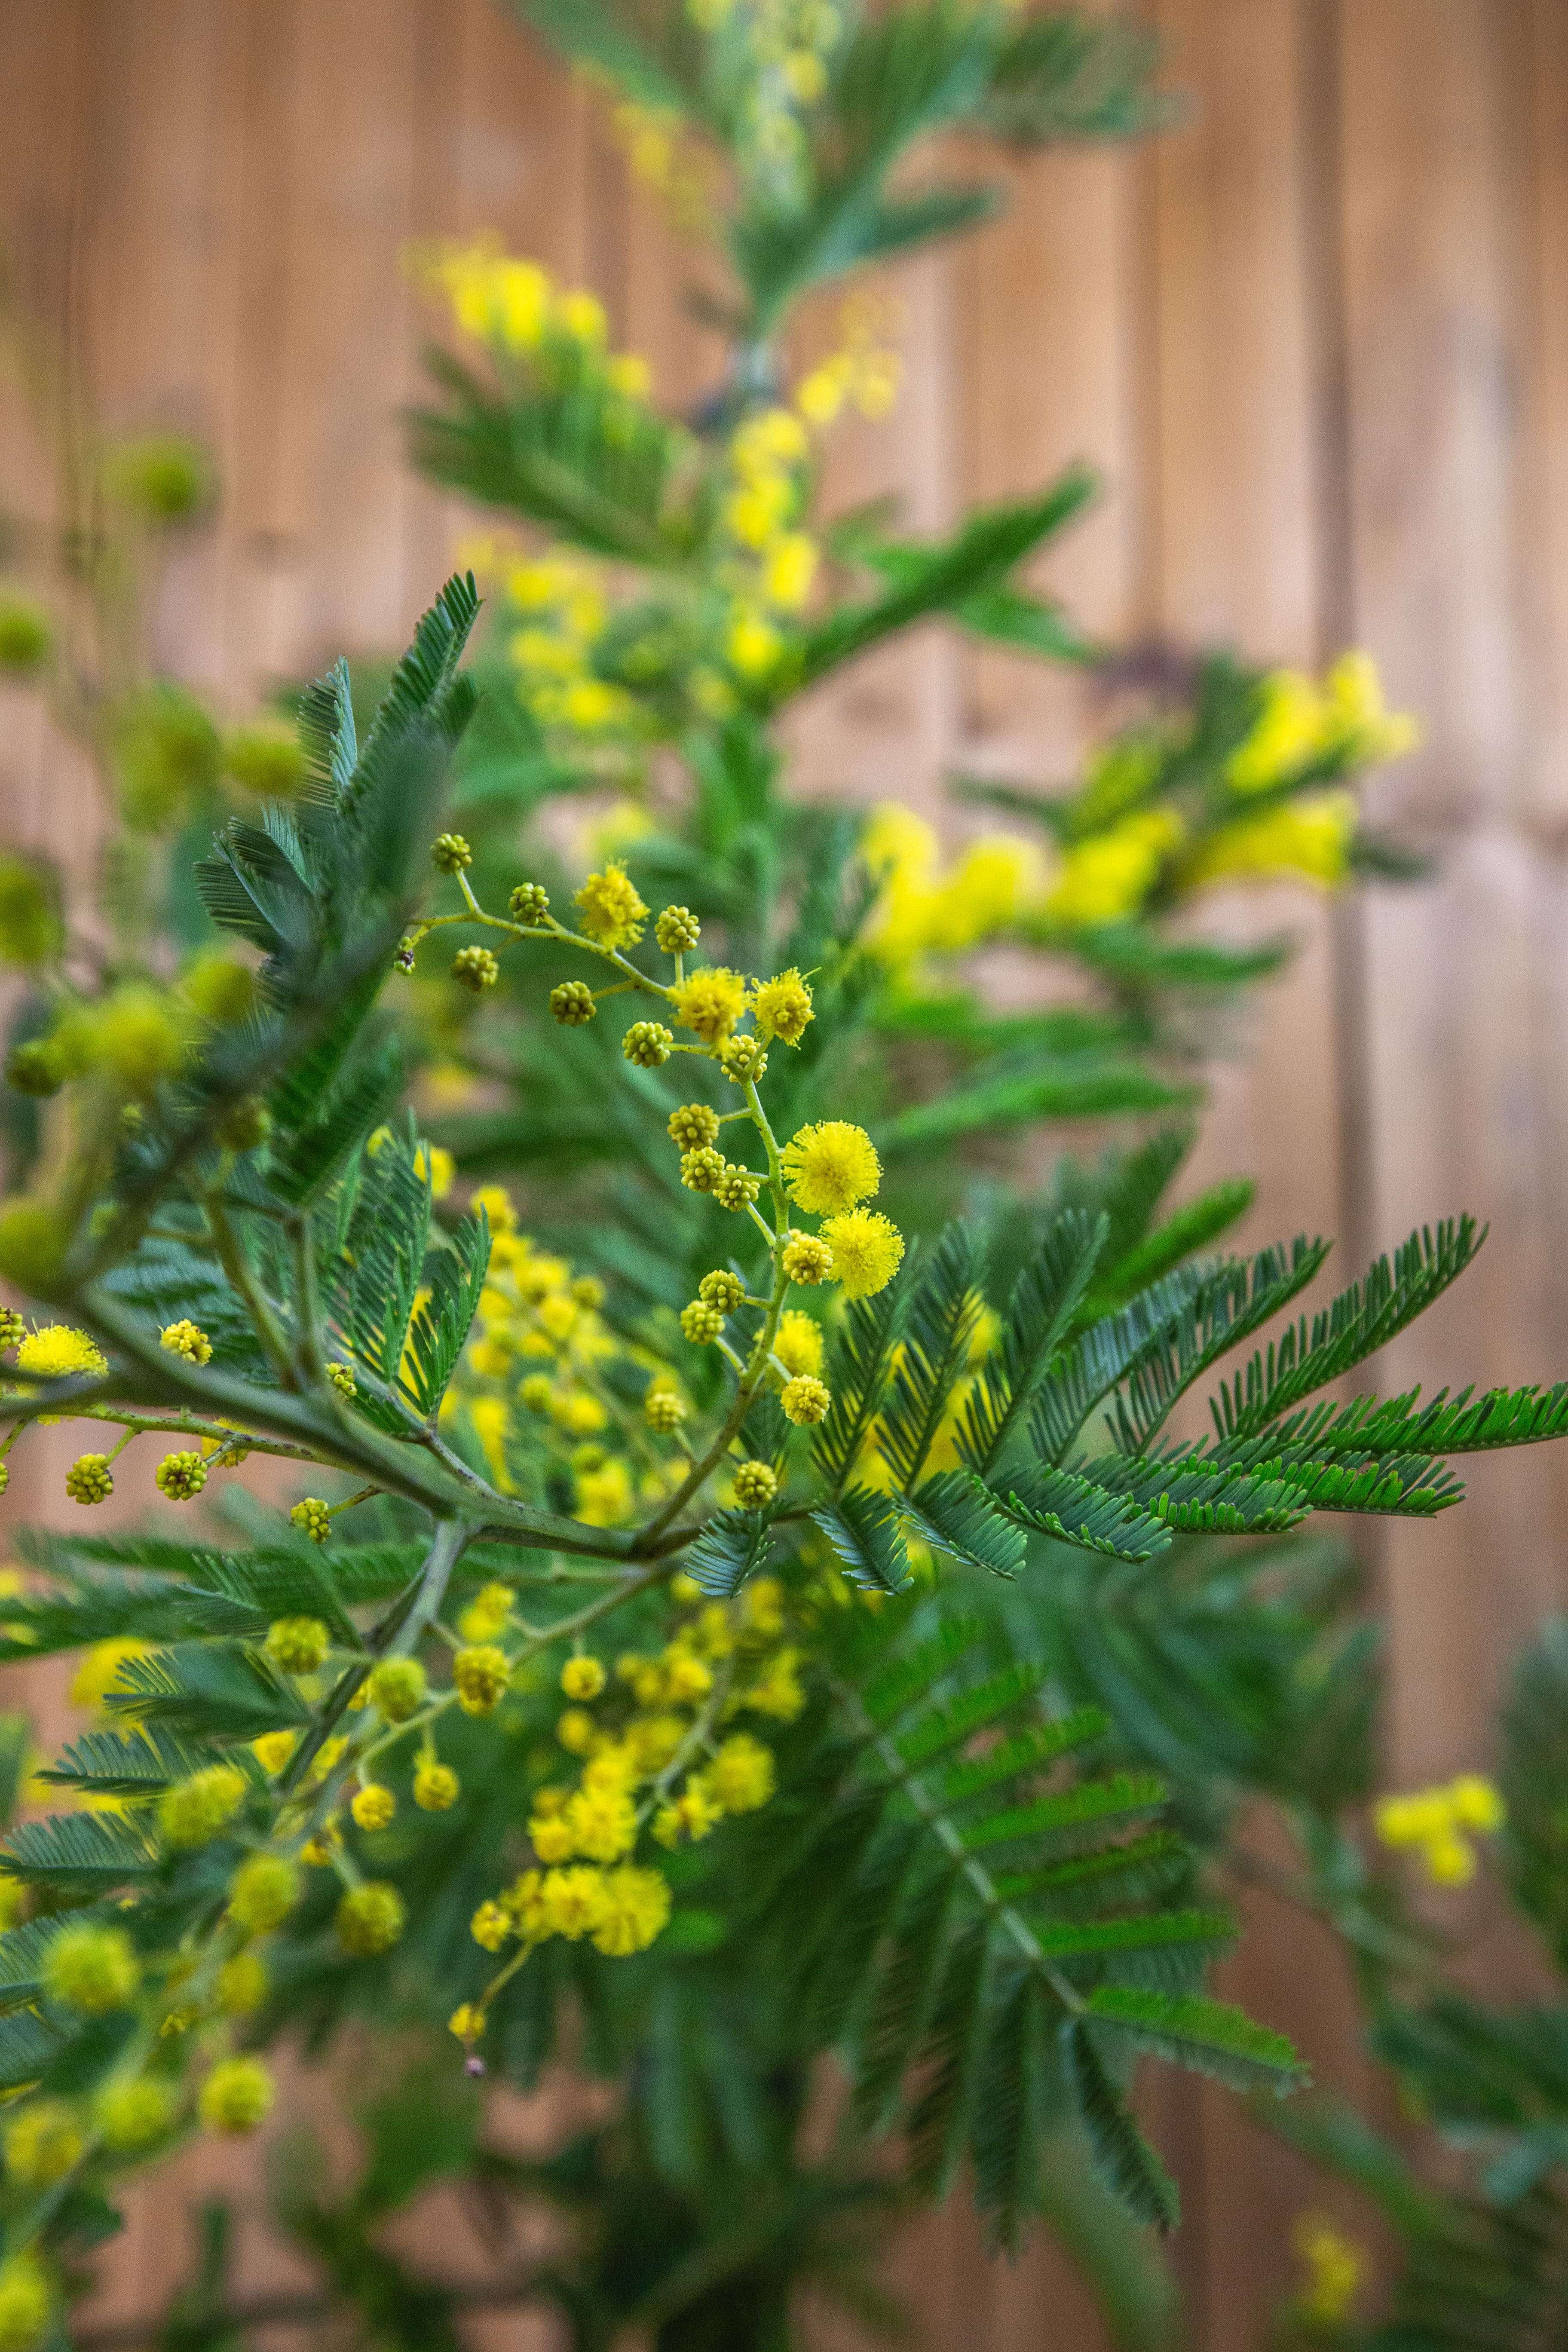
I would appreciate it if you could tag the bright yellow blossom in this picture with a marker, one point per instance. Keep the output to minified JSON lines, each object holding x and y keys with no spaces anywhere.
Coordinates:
{"x":867,"y":1251}
{"x":56,"y":1353}
{"x":711,"y":1001}
{"x":830,"y":1166}
{"x":797,"y":1343}
{"x":611,"y":909}
{"x":1108,"y":876}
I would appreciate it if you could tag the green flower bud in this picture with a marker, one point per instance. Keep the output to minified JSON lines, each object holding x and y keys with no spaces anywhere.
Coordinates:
{"x":369,"y":1920}
{"x":167,"y":476}
{"x":166,"y":758}
{"x":30,"y":925}
{"x":33,"y":1068}
{"x":26,"y":635}
{"x":265,"y":760}
{"x":236,"y":2096}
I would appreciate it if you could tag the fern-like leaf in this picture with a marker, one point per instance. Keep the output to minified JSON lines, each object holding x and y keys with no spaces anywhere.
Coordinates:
{"x":732,"y":1546}
{"x":862,"y":1526}
{"x":944,"y":1312}
{"x":952,"y":1512}
{"x":1040,"y":1313}
{"x":1354,"y":1326}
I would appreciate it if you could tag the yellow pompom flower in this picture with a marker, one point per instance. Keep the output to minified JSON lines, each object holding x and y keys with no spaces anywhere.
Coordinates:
{"x":262,"y":1893}
{"x":467,"y":2022}
{"x":777,"y":1692}
{"x":130,"y":2116}
{"x":710,"y":1001}
{"x":602,"y":1823}
{"x":819,"y":396}
{"x":582,"y":316}
{"x":742,"y":1775}
{"x":633,"y":1906}
{"x":273,"y":1749}
{"x":755,"y":513}
{"x":770,"y":437}
{"x":552,"y":1837}
{"x":436,"y":1787}
{"x":99,"y":1669}
{"x":489,"y":1927}
{"x":26,"y":2303}
{"x":572,"y":1901}
{"x":397,"y":1688}
{"x":604,"y":1496}
{"x":576,"y":1730}
{"x":998,"y":879}
{"x":687,"y":1679}
{"x":611,"y":909}
{"x":1288,"y":734}
{"x":298,"y":1644}
{"x":756,"y":1486}
{"x":56,"y":1353}
{"x":197,"y":1810}
{"x":479,"y":1674}
{"x":1357,"y":715}
{"x":241,"y":1985}
{"x":496,"y":1204}
{"x":1475,"y":1804}
{"x":370,"y":1918}
{"x":582,"y":1678}
{"x":487,"y":1613}
{"x":797,"y":1343}
{"x":236,"y":2096}
{"x":43,"y":2143}
{"x":373,"y":1806}
{"x":782,"y":1007}
{"x":867,"y":1251}
{"x":1433,"y":1820}
{"x":830,"y":1166}
{"x":94,"y":1970}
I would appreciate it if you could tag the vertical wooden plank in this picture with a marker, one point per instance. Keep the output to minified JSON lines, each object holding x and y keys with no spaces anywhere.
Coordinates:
{"x":1050,"y":330}
{"x":42,"y":62}
{"x":1436,"y":126}
{"x":1238,"y":560}
{"x":887,"y":728}
{"x":341,"y":489}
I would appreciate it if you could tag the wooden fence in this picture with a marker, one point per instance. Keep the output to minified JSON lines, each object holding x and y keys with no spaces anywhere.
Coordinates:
{"x":1316,"y":339}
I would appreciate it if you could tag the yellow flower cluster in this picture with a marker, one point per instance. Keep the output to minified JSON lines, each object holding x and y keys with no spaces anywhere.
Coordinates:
{"x":663,"y":159}
{"x":655,"y":1755}
{"x":720,"y":626}
{"x":1440,"y":1823}
{"x":562,"y":611}
{"x":535,"y":1370}
{"x":924,"y":908}
{"x":1310,"y":835}
{"x":779,"y":54}
{"x":1109,"y":875}
{"x":864,"y":373}
{"x":517,"y":309}
{"x":1304,"y":725}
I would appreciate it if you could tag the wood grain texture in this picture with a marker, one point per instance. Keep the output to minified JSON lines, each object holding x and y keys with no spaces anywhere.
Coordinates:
{"x":1317,"y":342}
